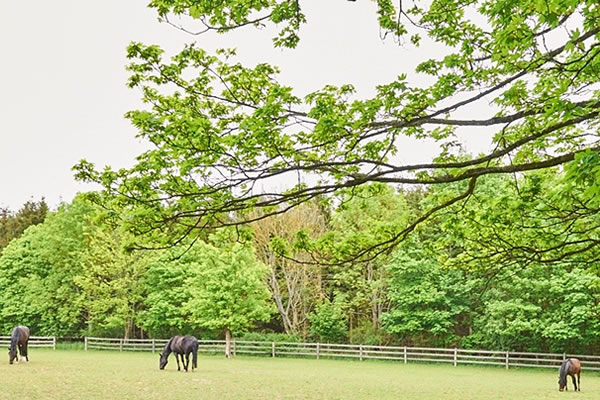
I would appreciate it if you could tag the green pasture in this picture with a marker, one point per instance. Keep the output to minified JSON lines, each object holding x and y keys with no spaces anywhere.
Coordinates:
{"x":76,"y":374}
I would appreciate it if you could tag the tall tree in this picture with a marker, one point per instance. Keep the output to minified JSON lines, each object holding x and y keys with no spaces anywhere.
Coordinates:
{"x":222,"y":129}
{"x":37,"y":274}
{"x":166,"y":292}
{"x":110,"y":281}
{"x":364,"y":217}
{"x":428,"y":301}
{"x":295,"y":281}
{"x":227,"y":291}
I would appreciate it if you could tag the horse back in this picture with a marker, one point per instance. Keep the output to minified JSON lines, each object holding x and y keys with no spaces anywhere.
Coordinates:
{"x":190,"y":339}
{"x":575,"y":366}
{"x":189,"y":342}
{"x":21,"y":333}
{"x":177,"y":344}
{"x":24,"y":332}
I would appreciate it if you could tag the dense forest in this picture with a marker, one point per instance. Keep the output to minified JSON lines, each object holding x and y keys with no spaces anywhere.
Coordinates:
{"x":469,"y":277}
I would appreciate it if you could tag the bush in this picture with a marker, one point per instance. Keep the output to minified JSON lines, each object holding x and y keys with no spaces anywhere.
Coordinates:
{"x":328,"y":323}
{"x":368,"y":334}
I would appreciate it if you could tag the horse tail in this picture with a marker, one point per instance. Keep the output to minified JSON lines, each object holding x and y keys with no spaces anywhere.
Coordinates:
{"x":195,"y":355}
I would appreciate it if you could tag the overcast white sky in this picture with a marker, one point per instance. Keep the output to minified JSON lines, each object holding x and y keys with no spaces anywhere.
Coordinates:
{"x":63,"y":92}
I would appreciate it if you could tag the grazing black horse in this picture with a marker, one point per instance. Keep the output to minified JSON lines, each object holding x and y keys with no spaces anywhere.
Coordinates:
{"x":181,"y":346}
{"x":571,"y":366}
{"x":18,"y":339}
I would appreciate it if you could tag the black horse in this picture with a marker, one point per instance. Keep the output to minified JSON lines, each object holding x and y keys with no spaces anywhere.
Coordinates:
{"x":181,"y":346}
{"x":571,"y":366}
{"x":18,"y":339}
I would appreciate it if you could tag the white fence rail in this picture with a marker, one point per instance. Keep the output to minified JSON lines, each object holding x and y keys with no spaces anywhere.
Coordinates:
{"x":404,"y":354}
{"x":34,"y":341}
{"x":153,"y":345}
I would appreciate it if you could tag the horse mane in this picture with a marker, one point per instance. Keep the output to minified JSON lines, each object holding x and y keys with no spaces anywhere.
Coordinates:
{"x":168,"y":346}
{"x":562,"y":375}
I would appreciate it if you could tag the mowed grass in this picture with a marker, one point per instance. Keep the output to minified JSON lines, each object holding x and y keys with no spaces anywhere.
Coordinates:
{"x":76,"y":374}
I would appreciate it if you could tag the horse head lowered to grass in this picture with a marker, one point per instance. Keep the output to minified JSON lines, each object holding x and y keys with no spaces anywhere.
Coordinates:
{"x":18,"y":340}
{"x":570,"y":366}
{"x":181,"y":346}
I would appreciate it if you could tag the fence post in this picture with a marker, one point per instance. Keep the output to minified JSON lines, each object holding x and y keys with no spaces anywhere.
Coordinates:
{"x":273,"y":349}
{"x":120,"y":344}
{"x":361,"y":352}
{"x":85,"y":339}
{"x":153,"y":345}
{"x":405,"y":359}
{"x":455,"y":356}
{"x":506,"y":360}
{"x":234,"y":347}
{"x":318,"y":348}
{"x":564,"y":356}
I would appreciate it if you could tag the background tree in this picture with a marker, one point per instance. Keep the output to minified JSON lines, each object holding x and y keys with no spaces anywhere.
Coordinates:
{"x":37,"y":272}
{"x":166,"y":292}
{"x":295,"y":281}
{"x":110,"y":281}
{"x":429,"y":303}
{"x":12,"y":225}
{"x":227,"y":291}
{"x":365,"y":216}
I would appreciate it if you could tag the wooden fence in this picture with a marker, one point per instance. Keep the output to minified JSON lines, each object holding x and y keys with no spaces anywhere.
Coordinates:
{"x":403,"y":354}
{"x":34,"y":341}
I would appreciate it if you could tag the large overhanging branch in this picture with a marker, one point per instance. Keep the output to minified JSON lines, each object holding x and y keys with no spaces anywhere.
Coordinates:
{"x":557,"y":232}
{"x":229,"y":130}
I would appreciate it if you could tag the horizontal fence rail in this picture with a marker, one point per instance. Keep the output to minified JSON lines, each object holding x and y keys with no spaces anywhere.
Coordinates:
{"x":34,"y":341}
{"x":153,"y":345}
{"x":403,"y":354}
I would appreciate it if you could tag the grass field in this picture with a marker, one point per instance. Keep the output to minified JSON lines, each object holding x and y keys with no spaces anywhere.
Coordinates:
{"x":69,"y":374}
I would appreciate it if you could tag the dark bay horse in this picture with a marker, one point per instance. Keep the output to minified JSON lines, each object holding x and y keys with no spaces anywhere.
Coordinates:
{"x":181,"y":346}
{"x":18,"y":339}
{"x":571,"y":366}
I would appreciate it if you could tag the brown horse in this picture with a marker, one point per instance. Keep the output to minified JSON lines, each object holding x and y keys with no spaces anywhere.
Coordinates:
{"x":571,"y":366}
{"x":18,"y":339}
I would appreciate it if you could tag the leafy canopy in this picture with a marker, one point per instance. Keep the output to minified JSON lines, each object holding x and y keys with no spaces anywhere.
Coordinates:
{"x":523,"y":72}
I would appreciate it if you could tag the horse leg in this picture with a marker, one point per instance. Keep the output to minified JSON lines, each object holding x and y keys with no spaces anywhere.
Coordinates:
{"x":187,"y":361}
{"x":579,"y":381}
{"x":25,"y":352}
{"x":177,"y":358}
{"x":574,"y":382}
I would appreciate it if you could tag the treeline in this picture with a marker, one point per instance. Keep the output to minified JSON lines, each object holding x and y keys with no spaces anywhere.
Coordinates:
{"x":509,"y":268}
{"x":13,"y":224}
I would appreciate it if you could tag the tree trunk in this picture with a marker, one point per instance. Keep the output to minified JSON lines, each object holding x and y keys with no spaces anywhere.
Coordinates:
{"x":227,"y":343}
{"x":89,"y":323}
